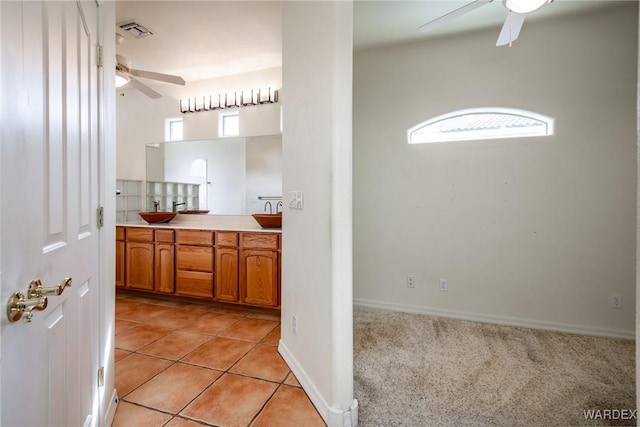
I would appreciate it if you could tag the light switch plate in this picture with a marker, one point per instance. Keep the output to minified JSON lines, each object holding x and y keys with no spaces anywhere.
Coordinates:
{"x":293,"y":199}
{"x":300,"y":200}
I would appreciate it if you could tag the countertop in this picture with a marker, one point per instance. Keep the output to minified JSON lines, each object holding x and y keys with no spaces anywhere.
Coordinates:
{"x":208,"y":222}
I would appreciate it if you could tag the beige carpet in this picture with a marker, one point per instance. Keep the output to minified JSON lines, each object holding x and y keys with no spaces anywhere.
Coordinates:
{"x":415,"y":370}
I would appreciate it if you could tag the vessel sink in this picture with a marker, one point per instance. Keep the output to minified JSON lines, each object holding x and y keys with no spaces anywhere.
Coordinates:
{"x":157,"y":217}
{"x":269,"y":220}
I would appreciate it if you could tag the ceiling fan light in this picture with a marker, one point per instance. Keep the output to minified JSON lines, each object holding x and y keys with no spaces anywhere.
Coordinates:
{"x":121,"y":80}
{"x":523,"y":6}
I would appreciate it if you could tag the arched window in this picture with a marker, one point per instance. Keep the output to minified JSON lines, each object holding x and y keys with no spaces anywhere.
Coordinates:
{"x":481,"y":123}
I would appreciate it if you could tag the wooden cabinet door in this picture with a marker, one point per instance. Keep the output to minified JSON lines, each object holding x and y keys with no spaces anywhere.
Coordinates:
{"x":139,"y":265}
{"x":259,"y":277}
{"x":226,"y":280}
{"x":120,"y":264}
{"x":164,"y":268}
{"x":120,"y":233}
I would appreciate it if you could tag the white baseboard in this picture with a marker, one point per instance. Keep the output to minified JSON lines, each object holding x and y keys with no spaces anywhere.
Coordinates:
{"x":500,"y":320}
{"x":334,"y":417}
{"x":110,"y":413}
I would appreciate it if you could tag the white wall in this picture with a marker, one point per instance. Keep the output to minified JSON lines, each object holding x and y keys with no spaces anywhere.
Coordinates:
{"x":534,"y":231}
{"x":316,"y":241}
{"x":141,"y":120}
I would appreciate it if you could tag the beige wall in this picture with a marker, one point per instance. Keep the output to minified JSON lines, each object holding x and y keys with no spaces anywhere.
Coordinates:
{"x":533,"y":231}
{"x":316,"y":241}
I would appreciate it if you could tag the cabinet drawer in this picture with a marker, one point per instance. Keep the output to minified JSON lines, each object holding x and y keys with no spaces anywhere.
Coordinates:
{"x":194,"y":237}
{"x":140,"y":234}
{"x":226,"y":239}
{"x":194,"y":258}
{"x":259,"y":240}
{"x":165,"y":236}
{"x":119,"y":233}
{"x":194,"y":284}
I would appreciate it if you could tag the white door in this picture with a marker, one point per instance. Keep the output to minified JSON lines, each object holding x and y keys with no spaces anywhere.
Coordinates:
{"x":49,"y":196}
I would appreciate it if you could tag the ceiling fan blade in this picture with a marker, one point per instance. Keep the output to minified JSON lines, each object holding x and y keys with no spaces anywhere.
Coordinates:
{"x":452,"y":15}
{"x":144,"y":88}
{"x":176,"y":80}
{"x":511,"y":28}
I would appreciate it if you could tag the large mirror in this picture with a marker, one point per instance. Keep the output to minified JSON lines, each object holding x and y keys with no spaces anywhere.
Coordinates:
{"x":234,"y":176}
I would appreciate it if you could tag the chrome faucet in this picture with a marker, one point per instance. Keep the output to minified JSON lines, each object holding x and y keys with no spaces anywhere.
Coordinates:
{"x":176,"y":204}
{"x":156,"y":204}
{"x":270,"y":207}
{"x":279,"y":205}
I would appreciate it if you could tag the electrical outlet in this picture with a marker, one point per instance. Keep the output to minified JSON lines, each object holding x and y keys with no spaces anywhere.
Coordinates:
{"x":411,"y":281}
{"x":294,"y":325}
{"x":444,"y":285}
{"x":616,"y":300}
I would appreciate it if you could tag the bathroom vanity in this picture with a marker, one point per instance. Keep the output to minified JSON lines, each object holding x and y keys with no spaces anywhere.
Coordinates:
{"x":220,"y":258}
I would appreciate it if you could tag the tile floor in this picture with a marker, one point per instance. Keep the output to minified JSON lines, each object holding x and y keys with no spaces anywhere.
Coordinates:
{"x":183,"y":364}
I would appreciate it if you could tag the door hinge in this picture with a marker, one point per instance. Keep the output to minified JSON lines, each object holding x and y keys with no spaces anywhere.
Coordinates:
{"x":101,"y":376}
{"x":100,"y":56}
{"x":100,"y":217}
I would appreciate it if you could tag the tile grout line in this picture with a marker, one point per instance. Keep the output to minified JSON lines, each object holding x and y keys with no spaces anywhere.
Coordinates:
{"x":178,"y":329}
{"x":173,"y":362}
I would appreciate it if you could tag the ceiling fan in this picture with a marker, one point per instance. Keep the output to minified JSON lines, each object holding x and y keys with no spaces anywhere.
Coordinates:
{"x":128,"y":74}
{"x":517,"y":11}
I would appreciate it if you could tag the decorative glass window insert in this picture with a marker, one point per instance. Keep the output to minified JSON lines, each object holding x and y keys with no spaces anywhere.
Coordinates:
{"x":173,"y":129}
{"x":229,"y":124}
{"x":481,"y":123}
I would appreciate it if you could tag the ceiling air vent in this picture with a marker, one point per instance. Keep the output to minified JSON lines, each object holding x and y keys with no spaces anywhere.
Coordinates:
{"x":136,"y":30}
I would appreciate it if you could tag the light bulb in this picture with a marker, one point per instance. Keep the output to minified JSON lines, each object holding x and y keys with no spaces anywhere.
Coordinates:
{"x":523,"y":6}
{"x":121,"y":80}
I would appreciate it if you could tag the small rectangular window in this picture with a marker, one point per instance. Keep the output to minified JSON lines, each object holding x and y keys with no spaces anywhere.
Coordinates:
{"x":229,"y":124}
{"x":173,"y":129}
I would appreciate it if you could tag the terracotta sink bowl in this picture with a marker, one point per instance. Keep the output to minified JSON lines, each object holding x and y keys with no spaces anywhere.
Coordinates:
{"x":157,"y":217}
{"x":269,"y":220}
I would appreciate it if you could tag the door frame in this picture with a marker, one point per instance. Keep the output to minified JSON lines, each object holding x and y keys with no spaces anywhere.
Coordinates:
{"x":2,"y":114}
{"x":107,"y":200}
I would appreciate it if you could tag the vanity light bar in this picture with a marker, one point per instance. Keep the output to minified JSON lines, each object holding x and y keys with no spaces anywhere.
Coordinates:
{"x":192,"y":105}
